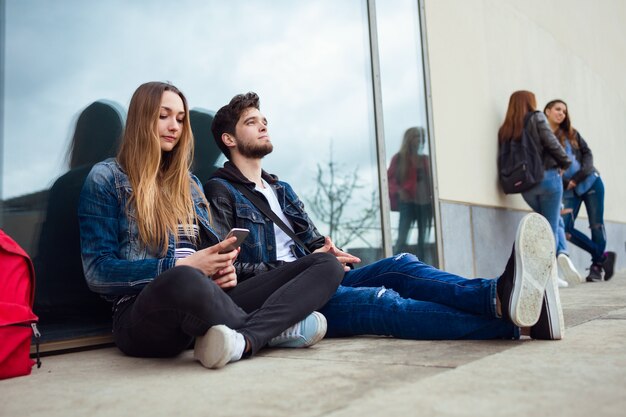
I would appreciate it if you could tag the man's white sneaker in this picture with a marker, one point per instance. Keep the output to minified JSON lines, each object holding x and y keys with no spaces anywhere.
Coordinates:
{"x":522,"y":286}
{"x":568,"y":270}
{"x":219,"y":346}
{"x":551,"y":325}
{"x":302,"y":334}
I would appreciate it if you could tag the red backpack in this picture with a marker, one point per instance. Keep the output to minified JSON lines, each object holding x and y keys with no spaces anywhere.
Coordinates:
{"x":17,"y":320}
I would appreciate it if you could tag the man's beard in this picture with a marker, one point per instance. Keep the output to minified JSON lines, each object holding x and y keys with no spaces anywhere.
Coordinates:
{"x":256,"y":150}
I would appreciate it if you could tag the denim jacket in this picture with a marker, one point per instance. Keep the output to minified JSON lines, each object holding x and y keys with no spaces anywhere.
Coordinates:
{"x":233,"y":209}
{"x":583,"y":155}
{"x":115,"y":262}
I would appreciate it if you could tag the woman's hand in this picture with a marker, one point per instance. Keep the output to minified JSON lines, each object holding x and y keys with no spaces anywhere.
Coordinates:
{"x":571,"y":185}
{"x":210,"y":260}
{"x":225,"y":278}
{"x":343,"y":257}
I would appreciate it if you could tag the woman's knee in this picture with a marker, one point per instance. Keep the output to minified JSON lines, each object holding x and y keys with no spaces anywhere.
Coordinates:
{"x":324,"y":258}
{"x":568,"y":222}
{"x":183,"y":287}
{"x":596,"y":227}
{"x":328,"y":266}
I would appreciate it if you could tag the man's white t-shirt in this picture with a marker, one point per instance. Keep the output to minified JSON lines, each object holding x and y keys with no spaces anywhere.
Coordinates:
{"x":283,"y":241}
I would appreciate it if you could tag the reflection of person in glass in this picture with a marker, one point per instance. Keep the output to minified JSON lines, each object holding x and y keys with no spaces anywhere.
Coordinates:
{"x":410,"y":170}
{"x":61,"y":288}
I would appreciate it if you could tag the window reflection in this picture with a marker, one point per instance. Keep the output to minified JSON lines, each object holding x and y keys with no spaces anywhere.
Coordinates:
{"x":62,"y":294}
{"x":406,"y":133}
{"x":309,"y":61}
{"x":410,"y":191}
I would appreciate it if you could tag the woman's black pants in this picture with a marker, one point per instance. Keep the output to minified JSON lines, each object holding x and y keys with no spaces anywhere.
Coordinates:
{"x":182,"y":304}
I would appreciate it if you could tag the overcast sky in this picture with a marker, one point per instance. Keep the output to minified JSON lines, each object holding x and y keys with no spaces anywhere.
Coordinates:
{"x":308,"y":60}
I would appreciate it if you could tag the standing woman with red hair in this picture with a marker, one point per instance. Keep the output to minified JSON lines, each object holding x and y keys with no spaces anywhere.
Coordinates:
{"x":545,"y":197}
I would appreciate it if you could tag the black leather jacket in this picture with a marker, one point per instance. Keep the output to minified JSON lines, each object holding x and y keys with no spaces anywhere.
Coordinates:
{"x":552,"y":153}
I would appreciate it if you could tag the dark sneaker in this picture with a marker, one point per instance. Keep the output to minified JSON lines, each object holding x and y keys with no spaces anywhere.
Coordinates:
{"x":550,"y":325}
{"x":595,"y":273}
{"x":522,"y":285}
{"x":609,"y":265}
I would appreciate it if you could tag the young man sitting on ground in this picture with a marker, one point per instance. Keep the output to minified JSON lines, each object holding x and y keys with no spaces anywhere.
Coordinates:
{"x":398,"y":296}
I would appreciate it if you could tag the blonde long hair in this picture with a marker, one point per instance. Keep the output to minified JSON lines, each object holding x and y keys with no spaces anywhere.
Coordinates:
{"x":160,"y":180}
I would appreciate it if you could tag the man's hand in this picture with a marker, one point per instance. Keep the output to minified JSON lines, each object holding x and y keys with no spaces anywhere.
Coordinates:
{"x":343,"y":257}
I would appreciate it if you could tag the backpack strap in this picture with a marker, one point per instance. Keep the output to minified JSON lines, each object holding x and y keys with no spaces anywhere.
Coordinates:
{"x":264,"y":207}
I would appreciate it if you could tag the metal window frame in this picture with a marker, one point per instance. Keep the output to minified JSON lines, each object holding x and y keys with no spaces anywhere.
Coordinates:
{"x":431,"y":132}
{"x":383,"y":187}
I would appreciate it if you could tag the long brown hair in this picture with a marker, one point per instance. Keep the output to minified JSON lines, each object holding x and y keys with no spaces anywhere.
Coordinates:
{"x":160,"y":180}
{"x":520,"y":103}
{"x":565,"y":129}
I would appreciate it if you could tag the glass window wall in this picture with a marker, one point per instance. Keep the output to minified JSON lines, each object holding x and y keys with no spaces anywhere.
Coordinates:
{"x":71,"y":66}
{"x":406,"y":130}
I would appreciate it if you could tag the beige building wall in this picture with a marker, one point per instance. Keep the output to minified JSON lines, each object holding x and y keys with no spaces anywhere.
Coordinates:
{"x":481,"y":51}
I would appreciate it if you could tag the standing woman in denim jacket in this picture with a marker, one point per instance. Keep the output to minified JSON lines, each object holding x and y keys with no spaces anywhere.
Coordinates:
{"x":545,"y":197}
{"x":581,"y":184}
{"x":148,"y":246}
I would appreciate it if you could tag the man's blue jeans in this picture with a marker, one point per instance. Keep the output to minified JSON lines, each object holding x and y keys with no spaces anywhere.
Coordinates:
{"x":594,"y":204}
{"x":545,"y":199}
{"x":408,"y":299}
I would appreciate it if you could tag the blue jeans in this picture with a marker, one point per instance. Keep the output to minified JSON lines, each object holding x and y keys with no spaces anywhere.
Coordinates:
{"x":410,"y":213}
{"x":545,"y":199}
{"x":594,"y":204}
{"x":560,"y":242}
{"x":408,"y":299}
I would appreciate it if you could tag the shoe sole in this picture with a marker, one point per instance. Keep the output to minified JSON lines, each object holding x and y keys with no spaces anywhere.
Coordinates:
{"x":570,"y":274}
{"x":534,"y":263}
{"x":212,"y":349}
{"x":554,"y":310}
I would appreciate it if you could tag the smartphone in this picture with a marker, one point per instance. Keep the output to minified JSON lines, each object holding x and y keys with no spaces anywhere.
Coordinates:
{"x":240,"y":234}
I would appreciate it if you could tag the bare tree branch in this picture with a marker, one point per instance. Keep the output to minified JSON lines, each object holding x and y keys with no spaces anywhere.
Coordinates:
{"x":333,"y":196}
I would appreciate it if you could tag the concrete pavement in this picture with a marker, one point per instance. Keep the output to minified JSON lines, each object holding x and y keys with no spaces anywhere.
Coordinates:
{"x":582,"y":375}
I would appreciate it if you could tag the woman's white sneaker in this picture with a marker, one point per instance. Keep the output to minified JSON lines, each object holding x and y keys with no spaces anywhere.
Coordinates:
{"x":219,"y":346}
{"x":568,"y":270}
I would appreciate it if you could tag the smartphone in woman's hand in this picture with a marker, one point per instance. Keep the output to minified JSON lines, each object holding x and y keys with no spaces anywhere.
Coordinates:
{"x":240,"y":234}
